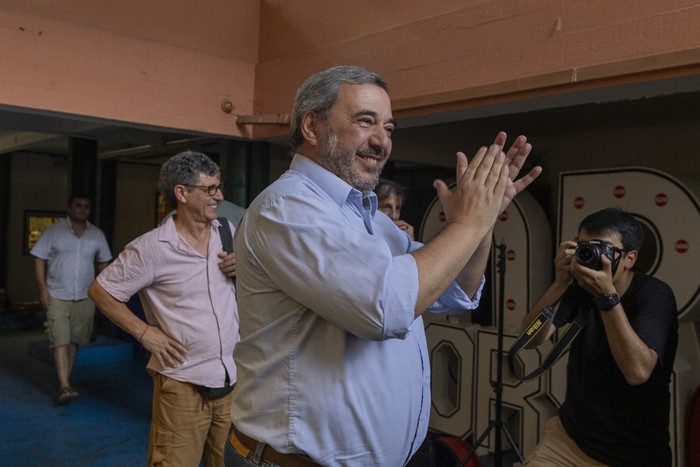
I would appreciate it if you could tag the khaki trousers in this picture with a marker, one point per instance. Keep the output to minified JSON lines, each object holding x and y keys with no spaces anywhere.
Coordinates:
{"x":186,"y":428}
{"x":557,"y":449}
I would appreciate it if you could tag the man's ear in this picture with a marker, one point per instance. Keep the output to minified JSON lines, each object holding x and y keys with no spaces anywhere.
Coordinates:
{"x":180,"y":193}
{"x":630,"y":258}
{"x":310,"y":127}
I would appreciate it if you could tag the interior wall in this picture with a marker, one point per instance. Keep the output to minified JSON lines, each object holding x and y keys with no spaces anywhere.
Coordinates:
{"x":161,"y":65}
{"x":39,"y":182}
{"x":135,"y":210}
{"x":151,"y":68}
{"x":470,"y":52}
{"x":208,"y":26}
{"x":642,"y":132}
{"x":663,"y":147}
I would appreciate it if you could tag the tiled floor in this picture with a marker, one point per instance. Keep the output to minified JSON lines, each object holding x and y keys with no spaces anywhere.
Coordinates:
{"x":106,"y":426}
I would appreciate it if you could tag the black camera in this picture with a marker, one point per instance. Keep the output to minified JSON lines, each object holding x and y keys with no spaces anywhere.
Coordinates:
{"x":589,"y":253}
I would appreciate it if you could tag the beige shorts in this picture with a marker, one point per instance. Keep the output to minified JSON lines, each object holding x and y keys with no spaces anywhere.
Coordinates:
{"x":69,"y":322}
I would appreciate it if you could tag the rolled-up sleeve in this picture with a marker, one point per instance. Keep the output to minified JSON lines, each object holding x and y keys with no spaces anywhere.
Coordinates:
{"x":400,"y":296}
{"x":454,"y":300}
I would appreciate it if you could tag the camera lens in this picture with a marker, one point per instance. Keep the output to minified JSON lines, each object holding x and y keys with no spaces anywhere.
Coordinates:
{"x":588,"y":255}
{"x":584,"y":255}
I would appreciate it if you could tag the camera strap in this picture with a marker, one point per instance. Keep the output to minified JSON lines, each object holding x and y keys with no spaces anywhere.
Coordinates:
{"x":226,"y":237}
{"x":560,"y":347}
{"x":225,"y":233}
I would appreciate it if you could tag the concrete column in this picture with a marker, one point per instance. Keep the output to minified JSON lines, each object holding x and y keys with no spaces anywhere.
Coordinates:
{"x":82,"y":156}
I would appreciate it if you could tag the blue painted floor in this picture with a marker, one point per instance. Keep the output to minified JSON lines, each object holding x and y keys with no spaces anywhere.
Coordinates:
{"x":107,"y":425}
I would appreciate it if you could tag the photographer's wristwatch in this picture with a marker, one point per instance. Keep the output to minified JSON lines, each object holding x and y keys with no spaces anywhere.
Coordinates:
{"x":606,"y":301}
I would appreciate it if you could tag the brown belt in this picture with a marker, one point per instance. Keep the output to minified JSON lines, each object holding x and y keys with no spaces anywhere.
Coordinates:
{"x":244,"y":445}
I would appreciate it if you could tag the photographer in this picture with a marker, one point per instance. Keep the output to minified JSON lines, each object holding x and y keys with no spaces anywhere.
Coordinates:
{"x":616,"y":409}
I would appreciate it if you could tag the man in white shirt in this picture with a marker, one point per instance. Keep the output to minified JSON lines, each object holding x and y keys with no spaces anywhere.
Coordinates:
{"x":64,"y":266}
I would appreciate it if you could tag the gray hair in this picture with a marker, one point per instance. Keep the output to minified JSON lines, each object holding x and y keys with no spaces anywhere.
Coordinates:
{"x":386,"y":188}
{"x":184,"y":168}
{"x":320,"y":91}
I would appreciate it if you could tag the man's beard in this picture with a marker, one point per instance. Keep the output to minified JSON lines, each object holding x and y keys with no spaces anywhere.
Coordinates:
{"x":340,"y":163}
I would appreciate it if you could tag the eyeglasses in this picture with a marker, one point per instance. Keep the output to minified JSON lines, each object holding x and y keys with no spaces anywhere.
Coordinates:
{"x":210,"y":190}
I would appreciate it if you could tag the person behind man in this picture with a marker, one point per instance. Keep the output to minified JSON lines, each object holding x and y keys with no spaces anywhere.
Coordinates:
{"x":183,"y":278}
{"x":64,"y":266}
{"x":616,"y":408}
{"x":390,"y":199}
{"x":333,"y":363}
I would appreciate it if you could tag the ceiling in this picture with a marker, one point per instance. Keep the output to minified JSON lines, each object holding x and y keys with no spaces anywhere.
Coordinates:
{"x":416,"y":140}
{"x":49,"y":133}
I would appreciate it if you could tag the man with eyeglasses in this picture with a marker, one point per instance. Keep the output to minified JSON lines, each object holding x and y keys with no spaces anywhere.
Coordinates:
{"x":227,"y":209}
{"x":183,"y":278}
{"x":617,"y":403}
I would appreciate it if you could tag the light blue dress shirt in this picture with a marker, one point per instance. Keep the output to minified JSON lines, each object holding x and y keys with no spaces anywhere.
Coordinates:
{"x":331,"y":362}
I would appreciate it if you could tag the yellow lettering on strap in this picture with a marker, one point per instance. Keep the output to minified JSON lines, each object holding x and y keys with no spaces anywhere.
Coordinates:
{"x":535,"y":326}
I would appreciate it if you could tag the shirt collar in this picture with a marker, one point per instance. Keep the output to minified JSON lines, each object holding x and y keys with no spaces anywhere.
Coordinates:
{"x":70,"y":224}
{"x":336,"y":188}
{"x":168,"y":232}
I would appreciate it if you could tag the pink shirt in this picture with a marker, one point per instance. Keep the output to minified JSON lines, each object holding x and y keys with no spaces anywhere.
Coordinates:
{"x":186,"y":295}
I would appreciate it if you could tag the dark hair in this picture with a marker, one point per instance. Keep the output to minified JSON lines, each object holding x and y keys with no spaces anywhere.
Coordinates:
{"x":612,"y":221}
{"x":320,"y":91}
{"x":80,"y":195}
{"x":184,"y":168}
{"x":387,"y":188}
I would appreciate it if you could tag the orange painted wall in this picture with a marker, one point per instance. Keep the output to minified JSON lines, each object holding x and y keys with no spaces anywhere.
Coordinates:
{"x":459,"y":52}
{"x":156,"y":64}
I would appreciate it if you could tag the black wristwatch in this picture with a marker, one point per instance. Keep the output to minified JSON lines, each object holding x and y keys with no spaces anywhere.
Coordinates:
{"x":606,"y":301}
